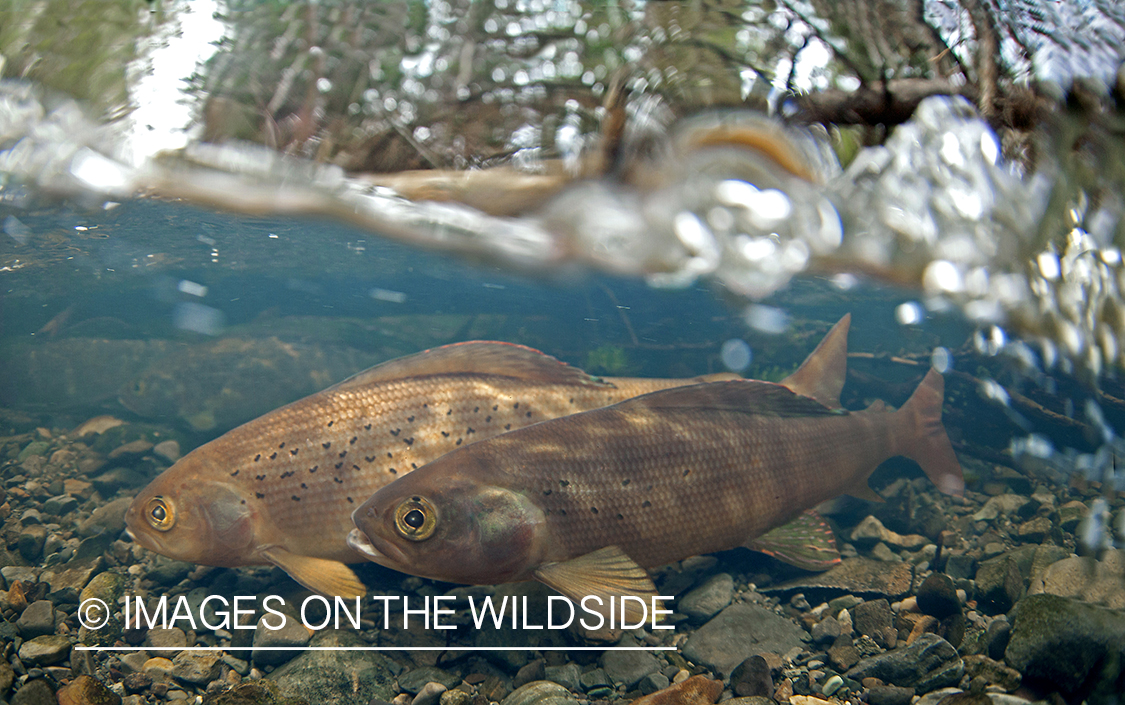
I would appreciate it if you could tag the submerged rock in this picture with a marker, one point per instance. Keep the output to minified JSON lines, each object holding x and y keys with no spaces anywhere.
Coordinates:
{"x":1068,"y":643}
{"x":855,"y":576}
{"x":540,"y":693}
{"x":337,"y":677}
{"x":697,"y":690}
{"x":929,"y":663}
{"x":739,"y":632}
{"x":1087,"y":579}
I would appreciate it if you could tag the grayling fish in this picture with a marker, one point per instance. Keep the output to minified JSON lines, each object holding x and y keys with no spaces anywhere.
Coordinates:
{"x":586,"y":502}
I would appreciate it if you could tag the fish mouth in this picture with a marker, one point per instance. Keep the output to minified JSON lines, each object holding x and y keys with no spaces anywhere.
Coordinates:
{"x":390,"y":556}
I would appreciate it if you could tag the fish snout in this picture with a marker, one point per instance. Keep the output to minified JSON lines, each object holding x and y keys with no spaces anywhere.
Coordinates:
{"x":388,"y":555}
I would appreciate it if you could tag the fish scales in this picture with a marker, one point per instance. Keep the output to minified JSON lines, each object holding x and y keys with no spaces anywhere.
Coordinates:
{"x":645,"y":481}
{"x":281,"y":489}
{"x":584,"y":503}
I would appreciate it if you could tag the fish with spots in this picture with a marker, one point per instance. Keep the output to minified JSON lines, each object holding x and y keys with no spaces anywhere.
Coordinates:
{"x":281,"y":489}
{"x":587,"y":502}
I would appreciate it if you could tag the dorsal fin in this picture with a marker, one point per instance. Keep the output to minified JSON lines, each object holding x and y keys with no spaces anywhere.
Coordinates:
{"x":476,"y":357}
{"x":821,"y":375}
{"x":745,"y":396}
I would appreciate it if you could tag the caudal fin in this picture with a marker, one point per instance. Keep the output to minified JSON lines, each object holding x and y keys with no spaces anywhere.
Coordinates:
{"x":821,"y":375}
{"x":923,"y":437}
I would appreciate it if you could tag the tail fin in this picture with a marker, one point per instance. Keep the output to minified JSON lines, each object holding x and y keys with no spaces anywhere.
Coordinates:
{"x":923,"y":437}
{"x":821,"y":375}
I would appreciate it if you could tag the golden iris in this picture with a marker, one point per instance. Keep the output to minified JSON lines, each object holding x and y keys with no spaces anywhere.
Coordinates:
{"x":160,"y":514}
{"x":416,"y":518}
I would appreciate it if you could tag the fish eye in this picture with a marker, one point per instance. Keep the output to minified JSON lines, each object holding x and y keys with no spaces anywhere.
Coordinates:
{"x":416,"y":519}
{"x":160,"y":514}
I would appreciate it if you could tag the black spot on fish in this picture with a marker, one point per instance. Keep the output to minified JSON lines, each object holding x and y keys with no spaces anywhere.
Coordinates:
{"x":409,"y":419}
{"x":425,"y":406}
{"x":449,"y":413}
{"x":469,"y":430}
{"x":330,"y":424}
{"x":273,"y":456}
{"x":546,"y":493}
{"x":339,"y":465}
{"x":648,"y":489}
{"x":343,"y":454}
{"x":594,"y":510}
{"x":529,"y":414}
{"x":408,"y":441}
{"x":313,"y":469}
{"x":257,"y":457}
{"x":414,"y":466}
{"x":367,"y":427}
{"x":338,"y":481}
{"x":356,"y":467}
{"x":286,"y":474}
{"x":260,"y":477}
{"x":620,"y":516}
{"x":353,"y":440}
{"x":562,"y":512}
{"x":646,"y":504}
{"x":687,"y":472}
{"x":507,"y":427}
{"x":326,"y":445}
{"x":516,"y":405}
{"x":393,"y":471}
{"x":496,"y":407}
{"x":234,"y":474}
{"x":564,"y":483}
{"x":369,"y":458}
{"x":304,"y":486}
{"x":445,"y":434}
{"x":351,"y":501}
{"x":294,"y":451}
{"x":572,"y":400}
{"x":488,"y":419}
{"x":281,"y":445}
{"x":459,"y":441}
{"x":625,"y":482}
{"x":395,"y":432}
{"x":259,"y":495}
{"x":296,"y":498}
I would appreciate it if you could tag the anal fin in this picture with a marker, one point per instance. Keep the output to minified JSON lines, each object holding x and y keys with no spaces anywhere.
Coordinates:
{"x":329,"y":578}
{"x":606,"y":573}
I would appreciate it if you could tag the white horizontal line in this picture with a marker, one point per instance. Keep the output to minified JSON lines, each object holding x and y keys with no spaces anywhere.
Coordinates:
{"x":374,"y":648}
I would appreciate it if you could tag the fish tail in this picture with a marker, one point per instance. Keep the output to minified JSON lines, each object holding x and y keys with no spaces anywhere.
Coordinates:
{"x":924,"y":438}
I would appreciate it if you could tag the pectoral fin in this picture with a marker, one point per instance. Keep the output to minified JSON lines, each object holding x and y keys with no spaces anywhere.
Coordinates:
{"x":606,"y":573}
{"x":326,"y":577}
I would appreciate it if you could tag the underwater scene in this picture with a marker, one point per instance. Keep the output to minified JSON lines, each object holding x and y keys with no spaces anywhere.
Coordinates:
{"x":460,"y":352}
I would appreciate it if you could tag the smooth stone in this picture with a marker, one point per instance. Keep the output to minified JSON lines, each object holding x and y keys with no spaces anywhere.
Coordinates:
{"x":75,"y":575}
{"x":291,"y":634}
{"x":565,"y":675}
{"x":534,"y":671}
{"x":843,"y":653}
{"x":1001,"y":504}
{"x":30,"y":541}
{"x":871,"y":531}
{"x":752,"y":677}
{"x":697,"y":690}
{"x":593,"y":679}
{"x":137,"y":447}
{"x":1065,"y":642}
{"x":1085,"y":578}
{"x":35,"y":692}
{"x":196,"y":667}
{"x":45,"y":650}
{"x":708,"y":599}
{"x":929,"y":663}
{"x":889,"y":695}
{"x":7,"y":675}
{"x":739,"y":632}
{"x":1071,"y":515}
{"x":158,"y":668}
{"x":629,"y":667}
{"x":455,"y":696}
{"x":826,"y":630}
{"x":337,"y":677}
{"x":540,"y":693}
{"x":33,"y":448}
{"x":60,"y":505}
{"x":169,"y":450}
{"x":414,"y":680}
{"x":430,"y":694}
{"x":960,"y":566}
{"x":751,"y":700}
{"x":165,"y":641}
{"x":652,"y":683}
{"x":1036,"y":530}
{"x":108,"y":518}
{"x":37,"y":619}
{"x":85,"y":690}
{"x":857,"y":576}
{"x":872,"y":618}
{"x":999,"y":584}
{"x":259,"y":692}
{"x":937,"y":596}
